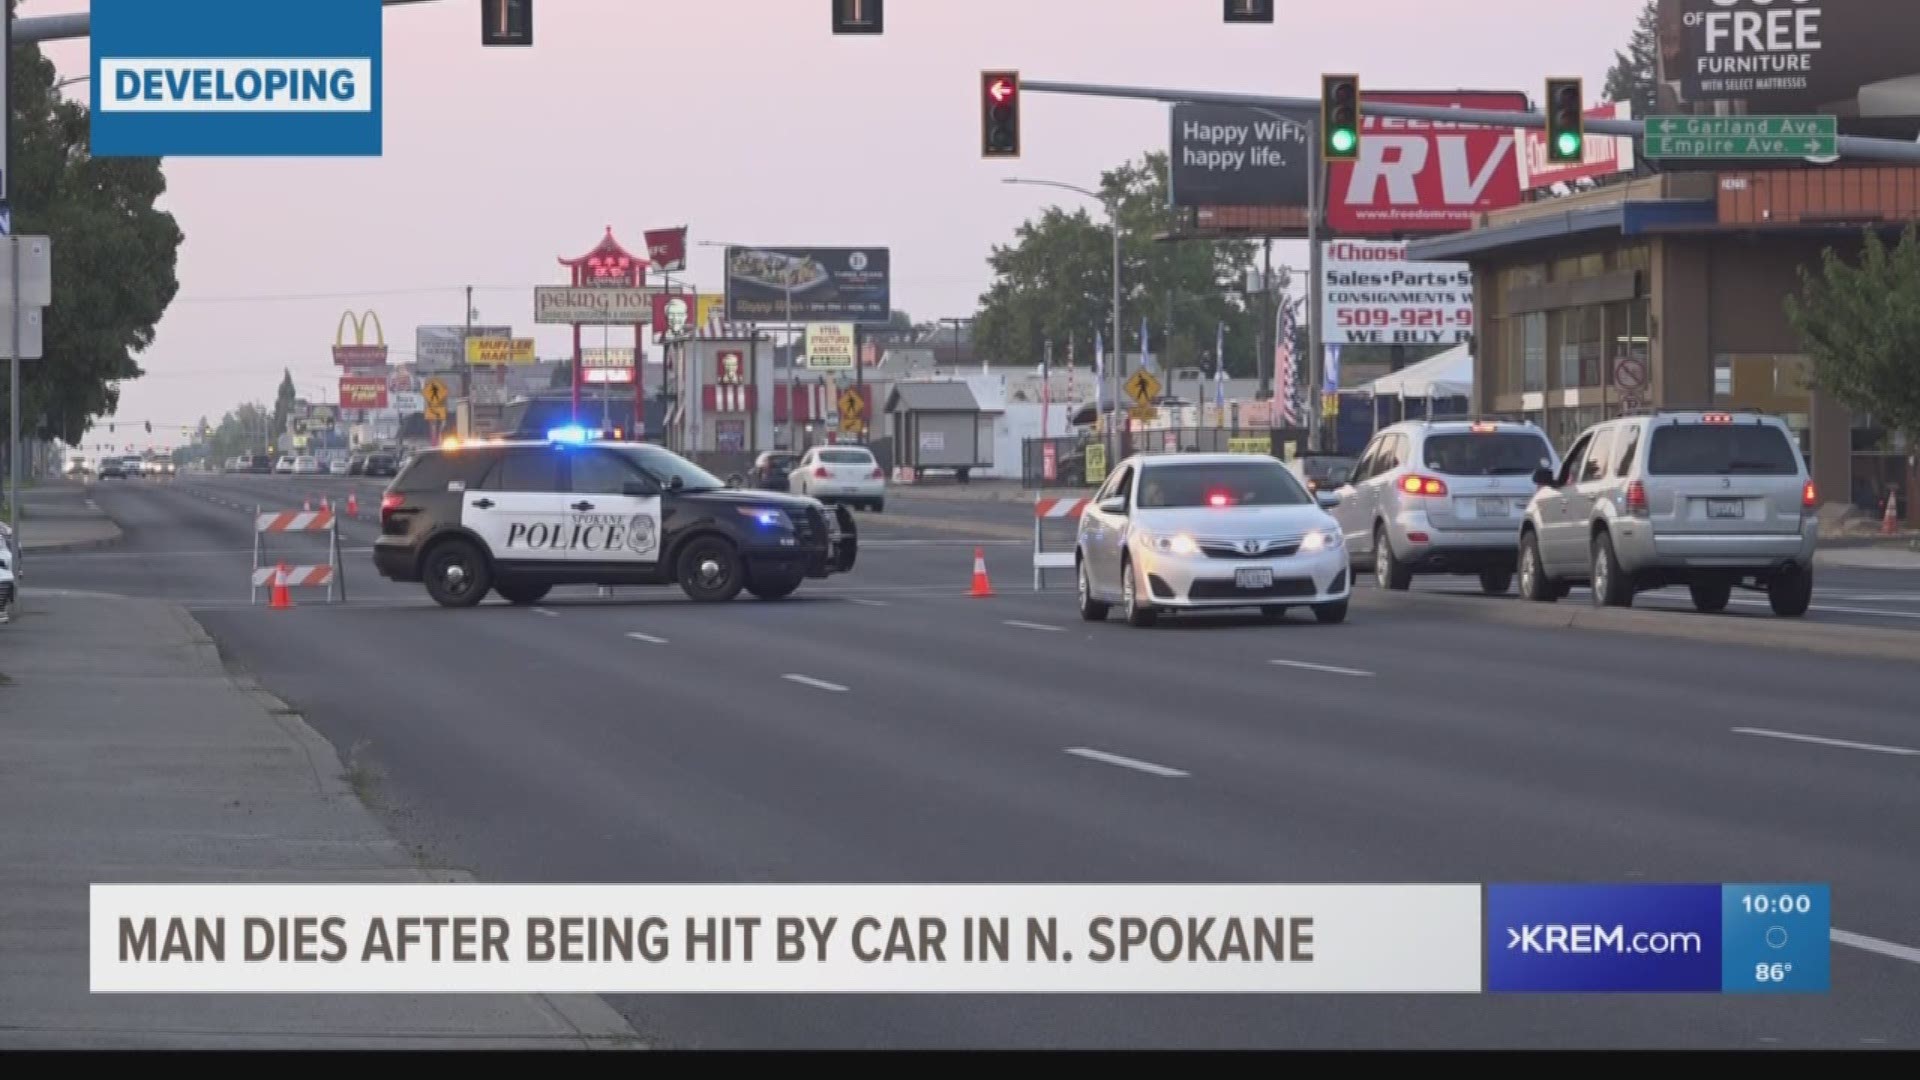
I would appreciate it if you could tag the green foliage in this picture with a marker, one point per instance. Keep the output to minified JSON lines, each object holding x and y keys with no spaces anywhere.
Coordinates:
{"x":283,"y":402}
{"x":242,"y":431}
{"x":1055,"y":281}
{"x":114,"y":255}
{"x":1860,"y":326}
{"x":1633,"y":77}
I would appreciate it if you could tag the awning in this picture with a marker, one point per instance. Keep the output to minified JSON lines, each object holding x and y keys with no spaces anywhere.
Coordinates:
{"x":1449,"y":374}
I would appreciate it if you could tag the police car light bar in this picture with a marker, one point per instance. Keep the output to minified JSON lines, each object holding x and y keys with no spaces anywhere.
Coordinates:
{"x":571,"y":433}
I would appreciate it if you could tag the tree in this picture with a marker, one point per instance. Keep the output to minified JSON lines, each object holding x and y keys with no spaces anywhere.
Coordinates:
{"x":1634,"y":75}
{"x":283,"y":402}
{"x":114,"y":253}
{"x":1860,"y":327}
{"x":1055,"y":282}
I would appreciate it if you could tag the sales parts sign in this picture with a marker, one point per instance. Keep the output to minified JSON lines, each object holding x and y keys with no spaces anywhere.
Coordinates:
{"x":814,"y":284}
{"x":1425,"y":176}
{"x":1374,"y":296}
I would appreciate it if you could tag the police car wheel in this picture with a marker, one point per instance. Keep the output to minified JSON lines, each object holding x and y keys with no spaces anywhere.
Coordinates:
{"x":710,"y":571}
{"x":522,"y":594}
{"x":774,"y":586}
{"x":457,"y":574}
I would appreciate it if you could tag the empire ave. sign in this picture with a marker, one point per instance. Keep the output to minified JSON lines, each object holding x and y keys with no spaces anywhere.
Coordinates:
{"x":1742,"y":136}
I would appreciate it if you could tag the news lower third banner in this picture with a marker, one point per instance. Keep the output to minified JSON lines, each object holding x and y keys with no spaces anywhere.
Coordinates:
{"x":949,"y":938}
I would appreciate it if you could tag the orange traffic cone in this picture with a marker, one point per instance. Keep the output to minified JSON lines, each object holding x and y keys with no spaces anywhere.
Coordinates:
{"x":1890,"y":521}
{"x":280,"y":600}
{"x":980,"y":585}
{"x":353,"y":505}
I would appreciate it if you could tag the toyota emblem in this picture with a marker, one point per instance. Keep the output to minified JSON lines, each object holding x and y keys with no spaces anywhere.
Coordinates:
{"x":1250,"y":546}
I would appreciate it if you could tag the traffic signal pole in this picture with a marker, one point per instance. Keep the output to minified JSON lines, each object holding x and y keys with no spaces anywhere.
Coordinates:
{"x":1854,"y":146}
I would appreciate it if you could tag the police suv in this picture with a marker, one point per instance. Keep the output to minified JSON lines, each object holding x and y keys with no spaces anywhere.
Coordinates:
{"x":519,"y":517}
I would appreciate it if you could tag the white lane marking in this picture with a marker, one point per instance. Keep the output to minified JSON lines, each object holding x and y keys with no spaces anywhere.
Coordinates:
{"x":648,"y":638}
{"x":1844,"y":744}
{"x":1874,"y":945}
{"x":547,"y":613}
{"x":817,"y":684}
{"x":1125,"y":762}
{"x":864,"y":602}
{"x":1328,"y":668}
{"x":1032,"y":626}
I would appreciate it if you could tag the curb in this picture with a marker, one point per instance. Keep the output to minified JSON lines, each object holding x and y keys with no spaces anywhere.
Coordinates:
{"x":73,"y":545}
{"x":596,"y":1024}
{"x":1830,"y":639}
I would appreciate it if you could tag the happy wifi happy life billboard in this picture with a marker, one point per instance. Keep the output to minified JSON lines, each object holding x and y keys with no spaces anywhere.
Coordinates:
{"x":236,"y":78}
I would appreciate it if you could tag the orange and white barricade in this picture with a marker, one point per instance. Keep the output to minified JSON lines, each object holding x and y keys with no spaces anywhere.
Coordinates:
{"x":1053,"y":510}
{"x":279,"y":573}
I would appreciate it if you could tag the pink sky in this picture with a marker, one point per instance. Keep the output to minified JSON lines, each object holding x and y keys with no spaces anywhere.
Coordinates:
{"x":748,"y":121}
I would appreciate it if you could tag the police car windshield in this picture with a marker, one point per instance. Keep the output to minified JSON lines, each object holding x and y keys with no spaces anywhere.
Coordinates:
{"x":664,"y":465}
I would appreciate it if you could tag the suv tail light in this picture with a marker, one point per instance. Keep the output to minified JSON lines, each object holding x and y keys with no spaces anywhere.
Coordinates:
{"x":881,"y":474}
{"x":1809,"y":496}
{"x":820,"y":472}
{"x":1423,"y":485}
{"x":1637,"y":498}
{"x":389,"y":502}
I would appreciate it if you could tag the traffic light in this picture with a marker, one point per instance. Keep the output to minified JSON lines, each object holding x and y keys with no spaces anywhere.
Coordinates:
{"x":506,"y":22}
{"x":1340,"y":117}
{"x":859,"y":16}
{"x":1566,"y":127}
{"x":1249,"y":11}
{"x":1000,"y":114}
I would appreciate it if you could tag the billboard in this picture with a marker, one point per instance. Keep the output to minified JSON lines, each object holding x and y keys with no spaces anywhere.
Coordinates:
{"x":1425,"y":176}
{"x":1605,"y":154}
{"x":667,"y":249}
{"x":820,"y":284}
{"x":1226,"y":155}
{"x":1849,"y":58}
{"x":492,"y":350}
{"x":363,"y":391}
{"x":567,"y":304}
{"x":1373,"y":296}
{"x":405,"y":402}
{"x":830,"y":346}
{"x":607,"y":364}
{"x":439,"y":348}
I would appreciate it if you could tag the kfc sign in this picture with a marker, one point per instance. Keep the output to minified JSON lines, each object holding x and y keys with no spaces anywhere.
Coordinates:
{"x":1425,"y":176}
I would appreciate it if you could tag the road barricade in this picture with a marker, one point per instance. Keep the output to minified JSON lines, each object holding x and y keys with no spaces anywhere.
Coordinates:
{"x":329,"y":574}
{"x":1048,"y":514}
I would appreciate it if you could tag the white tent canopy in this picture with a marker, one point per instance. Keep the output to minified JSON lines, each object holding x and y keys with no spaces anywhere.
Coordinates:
{"x":1449,"y":374}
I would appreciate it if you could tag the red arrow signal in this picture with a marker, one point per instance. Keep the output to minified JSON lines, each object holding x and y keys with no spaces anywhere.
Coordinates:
{"x":1001,"y":90}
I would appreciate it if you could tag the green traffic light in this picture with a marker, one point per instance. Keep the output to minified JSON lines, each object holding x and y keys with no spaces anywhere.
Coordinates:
{"x":1342,"y":140}
{"x":1569,"y":144}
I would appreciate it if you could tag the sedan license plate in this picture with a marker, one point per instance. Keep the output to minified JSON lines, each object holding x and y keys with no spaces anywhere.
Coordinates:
{"x":1726,"y":508}
{"x":1491,"y":508}
{"x":1253,"y":577}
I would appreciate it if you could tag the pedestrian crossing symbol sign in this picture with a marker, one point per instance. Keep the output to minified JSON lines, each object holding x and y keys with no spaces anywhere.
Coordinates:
{"x":1142,"y":387}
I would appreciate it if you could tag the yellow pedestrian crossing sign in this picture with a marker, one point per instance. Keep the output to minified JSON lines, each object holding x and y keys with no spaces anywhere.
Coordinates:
{"x":1142,"y":387}
{"x":435,"y":393}
{"x":852,"y":411}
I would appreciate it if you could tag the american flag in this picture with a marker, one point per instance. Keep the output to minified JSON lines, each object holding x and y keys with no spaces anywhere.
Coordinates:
{"x":1286,"y":384}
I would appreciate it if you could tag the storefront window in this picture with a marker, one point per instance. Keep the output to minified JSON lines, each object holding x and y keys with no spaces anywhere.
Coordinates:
{"x":1534,"y":350}
{"x":1636,"y":257}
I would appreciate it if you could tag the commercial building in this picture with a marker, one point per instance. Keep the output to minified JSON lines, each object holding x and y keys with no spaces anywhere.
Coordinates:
{"x":1670,"y":290}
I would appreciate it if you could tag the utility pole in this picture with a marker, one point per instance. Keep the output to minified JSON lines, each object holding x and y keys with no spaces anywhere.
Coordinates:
{"x":1316,"y":192}
{"x":13,"y":253}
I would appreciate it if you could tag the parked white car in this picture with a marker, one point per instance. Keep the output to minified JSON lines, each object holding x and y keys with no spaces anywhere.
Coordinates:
{"x":840,"y":474}
{"x":283,"y":466}
{"x":306,"y":465}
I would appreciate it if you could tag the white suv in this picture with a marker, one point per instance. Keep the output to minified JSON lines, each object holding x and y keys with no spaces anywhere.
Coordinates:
{"x":1709,"y":500}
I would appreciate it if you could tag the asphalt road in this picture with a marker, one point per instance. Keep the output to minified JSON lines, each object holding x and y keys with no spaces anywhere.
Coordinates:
{"x":885,"y":727}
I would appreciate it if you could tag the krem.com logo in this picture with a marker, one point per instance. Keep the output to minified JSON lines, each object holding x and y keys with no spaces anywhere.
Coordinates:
{"x":1570,"y":938}
{"x":236,"y":78}
{"x":360,"y":353}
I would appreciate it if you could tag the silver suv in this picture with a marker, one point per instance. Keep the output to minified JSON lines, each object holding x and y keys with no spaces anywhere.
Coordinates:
{"x":1442,"y":497}
{"x":1709,"y":500}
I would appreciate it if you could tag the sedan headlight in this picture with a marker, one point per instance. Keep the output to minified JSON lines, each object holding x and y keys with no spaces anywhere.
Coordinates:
{"x":1176,"y":544}
{"x":1321,"y":540}
{"x":768,"y":518}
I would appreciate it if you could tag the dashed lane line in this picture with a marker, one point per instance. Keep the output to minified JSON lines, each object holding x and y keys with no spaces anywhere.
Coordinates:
{"x":1821,"y":740}
{"x":1135,"y":764}
{"x":817,"y":684}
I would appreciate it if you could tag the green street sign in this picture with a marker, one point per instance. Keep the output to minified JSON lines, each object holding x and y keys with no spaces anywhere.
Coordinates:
{"x":1707,"y":137}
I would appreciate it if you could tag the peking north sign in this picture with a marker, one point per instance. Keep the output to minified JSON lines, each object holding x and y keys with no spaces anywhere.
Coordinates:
{"x":361,"y":352}
{"x":592,"y":304}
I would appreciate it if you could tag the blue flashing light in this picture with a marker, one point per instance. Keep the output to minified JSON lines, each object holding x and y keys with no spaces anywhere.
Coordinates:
{"x":572,"y":433}
{"x":771,"y":519}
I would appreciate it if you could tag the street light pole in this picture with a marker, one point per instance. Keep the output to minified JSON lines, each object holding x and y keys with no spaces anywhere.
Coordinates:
{"x":793,"y":444}
{"x":1113,"y":225}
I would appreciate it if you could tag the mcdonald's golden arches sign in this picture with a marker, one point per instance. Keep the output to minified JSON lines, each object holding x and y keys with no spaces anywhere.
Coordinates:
{"x":361,"y":352}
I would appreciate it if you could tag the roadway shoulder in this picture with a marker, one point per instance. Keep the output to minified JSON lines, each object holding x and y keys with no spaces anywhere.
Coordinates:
{"x":980,"y":529}
{"x":1831,"y":639}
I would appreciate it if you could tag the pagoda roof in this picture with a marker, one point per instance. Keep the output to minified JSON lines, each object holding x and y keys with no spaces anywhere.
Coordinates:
{"x":607,"y":248}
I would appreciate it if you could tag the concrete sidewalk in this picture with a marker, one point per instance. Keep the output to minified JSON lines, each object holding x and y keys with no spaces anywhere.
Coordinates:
{"x":128,"y":754}
{"x":61,"y":516}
